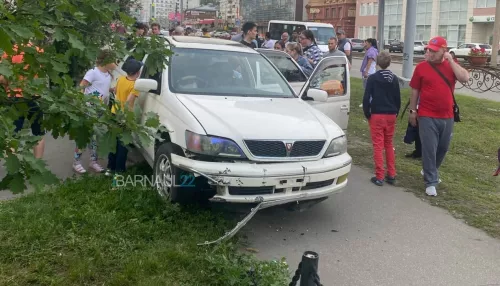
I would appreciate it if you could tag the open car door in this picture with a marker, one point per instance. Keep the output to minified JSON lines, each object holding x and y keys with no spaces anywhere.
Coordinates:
{"x":331,"y":76}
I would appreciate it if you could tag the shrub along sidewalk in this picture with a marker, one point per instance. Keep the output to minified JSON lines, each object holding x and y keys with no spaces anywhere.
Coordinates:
{"x":468,"y":191}
{"x":83,"y":233}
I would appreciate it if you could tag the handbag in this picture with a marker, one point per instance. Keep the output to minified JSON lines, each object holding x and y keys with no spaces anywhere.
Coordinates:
{"x":456,"y":109}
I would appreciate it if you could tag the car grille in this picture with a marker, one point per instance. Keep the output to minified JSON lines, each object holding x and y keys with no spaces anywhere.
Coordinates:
{"x":277,"y":149}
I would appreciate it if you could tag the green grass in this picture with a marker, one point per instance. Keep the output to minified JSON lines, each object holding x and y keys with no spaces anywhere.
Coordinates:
{"x":469,"y":191}
{"x":83,"y":233}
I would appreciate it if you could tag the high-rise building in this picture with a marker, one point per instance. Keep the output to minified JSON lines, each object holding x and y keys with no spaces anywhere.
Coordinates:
{"x":459,"y":21}
{"x":229,"y":12}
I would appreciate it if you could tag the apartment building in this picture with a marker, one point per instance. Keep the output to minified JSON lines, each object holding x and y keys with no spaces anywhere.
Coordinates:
{"x":459,"y":21}
{"x":262,"y":11}
{"x":340,"y":13}
{"x":230,"y":12}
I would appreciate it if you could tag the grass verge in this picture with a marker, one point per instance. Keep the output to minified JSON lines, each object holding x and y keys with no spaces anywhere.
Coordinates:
{"x":83,"y":233}
{"x":469,"y":191}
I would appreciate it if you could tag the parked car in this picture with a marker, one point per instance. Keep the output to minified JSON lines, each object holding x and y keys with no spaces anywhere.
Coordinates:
{"x":463,"y":50}
{"x":419,"y":47}
{"x":358,"y":45}
{"x":241,"y":132}
{"x":396,"y":46}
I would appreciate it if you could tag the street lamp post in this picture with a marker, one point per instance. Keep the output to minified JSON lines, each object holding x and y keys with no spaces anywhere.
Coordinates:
{"x":410,"y":29}
{"x":496,"y":35}
{"x":380,"y":27}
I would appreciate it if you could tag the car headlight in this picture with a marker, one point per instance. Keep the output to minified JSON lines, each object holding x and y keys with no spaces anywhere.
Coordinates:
{"x":338,"y":146}
{"x":213,"y":146}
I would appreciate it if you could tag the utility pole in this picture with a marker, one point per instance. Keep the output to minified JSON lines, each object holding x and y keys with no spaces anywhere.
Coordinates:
{"x":410,"y":29}
{"x":380,"y":25}
{"x":496,"y":35}
{"x":182,"y":9}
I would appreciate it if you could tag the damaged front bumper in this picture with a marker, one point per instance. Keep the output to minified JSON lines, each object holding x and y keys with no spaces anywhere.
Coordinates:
{"x":281,"y":183}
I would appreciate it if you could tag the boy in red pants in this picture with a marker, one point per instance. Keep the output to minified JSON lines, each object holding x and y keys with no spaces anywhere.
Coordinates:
{"x":381,"y":105}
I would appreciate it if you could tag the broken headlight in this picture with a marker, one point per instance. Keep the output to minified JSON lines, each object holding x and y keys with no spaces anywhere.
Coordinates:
{"x":212,"y":146}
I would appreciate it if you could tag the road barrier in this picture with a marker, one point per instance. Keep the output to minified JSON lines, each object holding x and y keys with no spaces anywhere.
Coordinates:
{"x":307,"y":271}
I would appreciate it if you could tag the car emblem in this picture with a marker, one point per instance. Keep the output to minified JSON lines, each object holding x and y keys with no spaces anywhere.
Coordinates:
{"x":289,"y":147}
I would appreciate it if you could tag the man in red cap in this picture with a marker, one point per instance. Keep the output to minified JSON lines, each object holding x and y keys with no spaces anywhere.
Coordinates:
{"x":433,"y":84}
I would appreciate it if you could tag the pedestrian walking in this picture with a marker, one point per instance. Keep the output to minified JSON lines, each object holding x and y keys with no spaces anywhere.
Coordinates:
{"x":96,"y":82}
{"x":249,"y":35}
{"x":310,"y":48}
{"x":497,"y":172}
{"x":125,"y":97}
{"x":381,"y":105}
{"x":369,"y":64}
{"x":295,"y":51}
{"x":433,"y":84}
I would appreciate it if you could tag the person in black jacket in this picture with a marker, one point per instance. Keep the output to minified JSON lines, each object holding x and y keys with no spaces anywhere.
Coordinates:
{"x":381,"y":105}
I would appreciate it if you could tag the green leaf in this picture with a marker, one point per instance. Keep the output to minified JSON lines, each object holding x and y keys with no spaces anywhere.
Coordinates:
{"x":126,"y":138}
{"x":153,"y":120}
{"x":5,"y":43}
{"x":107,"y":144}
{"x":17,"y":185}
{"x":59,"y":67}
{"x":59,"y":34}
{"x":75,"y":42}
{"x":21,"y":31}
{"x":6,"y":68}
{"x":12,"y":163}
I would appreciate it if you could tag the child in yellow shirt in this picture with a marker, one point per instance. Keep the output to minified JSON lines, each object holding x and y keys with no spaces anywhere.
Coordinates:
{"x":125,"y":95}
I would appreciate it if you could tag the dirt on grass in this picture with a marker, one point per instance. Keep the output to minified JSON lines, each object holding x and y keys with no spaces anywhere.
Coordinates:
{"x":468,"y":191}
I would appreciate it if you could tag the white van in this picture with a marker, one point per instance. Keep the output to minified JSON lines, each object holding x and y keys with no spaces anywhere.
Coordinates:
{"x":322,"y":31}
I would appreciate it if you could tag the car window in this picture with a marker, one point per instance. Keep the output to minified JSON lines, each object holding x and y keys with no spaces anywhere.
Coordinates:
{"x":485,"y":46}
{"x":331,"y":79}
{"x":358,"y":41}
{"x":157,"y":76}
{"x":225,"y":73}
{"x":287,"y":67}
{"x":418,"y":44}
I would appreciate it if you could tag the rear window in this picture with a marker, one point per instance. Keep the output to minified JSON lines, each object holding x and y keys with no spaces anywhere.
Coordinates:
{"x":485,"y":46}
{"x":418,"y":44}
{"x":357,"y":41}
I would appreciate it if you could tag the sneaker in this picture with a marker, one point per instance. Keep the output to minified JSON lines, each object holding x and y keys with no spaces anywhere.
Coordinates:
{"x":77,"y":166}
{"x":96,"y":167}
{"x":377,"y":182}
{"x":390,"y":180}
{"x":422,"y":173}
{"x":431,"y":191}
{"x":108,"y":173}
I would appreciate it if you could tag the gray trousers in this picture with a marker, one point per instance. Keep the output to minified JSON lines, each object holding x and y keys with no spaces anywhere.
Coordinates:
{"x":435,"y":134}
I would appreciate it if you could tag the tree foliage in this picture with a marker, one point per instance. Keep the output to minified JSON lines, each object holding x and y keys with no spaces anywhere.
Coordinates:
{"x":70,"y":33}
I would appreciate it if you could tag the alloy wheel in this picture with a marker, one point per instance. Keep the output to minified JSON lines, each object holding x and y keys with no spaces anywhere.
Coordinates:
{"x":163,"y":176}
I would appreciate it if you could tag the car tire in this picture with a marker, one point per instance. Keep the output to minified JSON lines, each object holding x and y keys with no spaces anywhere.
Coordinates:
{"x":168,"y":178}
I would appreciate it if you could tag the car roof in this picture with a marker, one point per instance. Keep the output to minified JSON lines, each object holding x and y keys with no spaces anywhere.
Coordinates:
{"x":273,"y":52}
{"x":209,"y":44}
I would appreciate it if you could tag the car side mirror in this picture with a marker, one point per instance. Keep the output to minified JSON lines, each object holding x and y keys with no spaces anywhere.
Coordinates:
{"x":145,"y":85}
{"x":317,"y":95}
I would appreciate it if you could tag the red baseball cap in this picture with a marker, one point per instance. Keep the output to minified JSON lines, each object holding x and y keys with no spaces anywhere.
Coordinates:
{"x":437,"y":43}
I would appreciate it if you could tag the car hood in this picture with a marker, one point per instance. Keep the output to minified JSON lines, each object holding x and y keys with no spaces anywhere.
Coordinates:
{"x":240,"y":118}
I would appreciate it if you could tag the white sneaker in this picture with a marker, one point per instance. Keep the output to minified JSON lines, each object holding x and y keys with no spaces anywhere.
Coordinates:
{"x":96,"y":167}
{"x":77,"y":166}
{"x":431,"y":191}
{"x":422,"y":173}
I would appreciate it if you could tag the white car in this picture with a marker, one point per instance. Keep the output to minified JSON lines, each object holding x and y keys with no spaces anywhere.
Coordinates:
{"x":463,"y":50}
{"x":237,"y":132}
{"x":419,"y":47}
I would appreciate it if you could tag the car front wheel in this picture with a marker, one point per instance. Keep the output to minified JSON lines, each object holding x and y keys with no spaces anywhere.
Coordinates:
{"x":172,"y":183}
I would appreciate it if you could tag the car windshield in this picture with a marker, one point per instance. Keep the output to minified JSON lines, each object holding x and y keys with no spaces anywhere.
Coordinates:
{"x":322,"y":34}
{"x":418,"y":44}
{"x":485,"y":46}
{"x":286,"y":66}
{"x":225,"y":73}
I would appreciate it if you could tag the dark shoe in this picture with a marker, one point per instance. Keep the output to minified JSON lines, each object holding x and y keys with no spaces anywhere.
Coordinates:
{"x":377,"y":182}
{"x":413,"y":155}
{"x":497,"y":172}
{"x":390,"y":180}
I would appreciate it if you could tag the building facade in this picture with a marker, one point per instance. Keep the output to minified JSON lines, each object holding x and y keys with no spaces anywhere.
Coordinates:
{"x":262,"y":11}
{"x":340,"y":13}
{"x":230,"y":12}
{"x":459,"y":21}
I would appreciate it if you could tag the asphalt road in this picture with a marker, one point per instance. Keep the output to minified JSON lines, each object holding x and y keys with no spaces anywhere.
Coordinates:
{"x":365,"y":236}
{"x":397,"y":68}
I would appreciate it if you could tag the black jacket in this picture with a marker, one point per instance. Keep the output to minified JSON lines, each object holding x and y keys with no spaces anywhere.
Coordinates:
{"x":382,"y":94}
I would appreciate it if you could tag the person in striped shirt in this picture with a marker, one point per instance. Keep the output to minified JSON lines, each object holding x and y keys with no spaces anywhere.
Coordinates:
{"x":310,"y":48}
